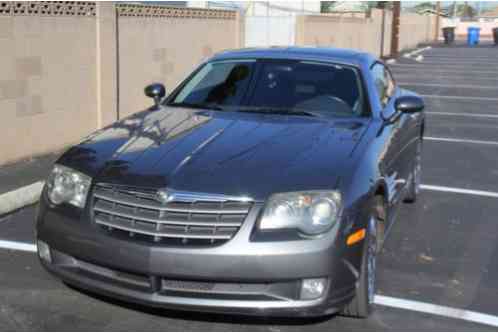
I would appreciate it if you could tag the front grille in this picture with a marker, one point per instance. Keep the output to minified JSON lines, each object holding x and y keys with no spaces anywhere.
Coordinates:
{"x":135,"y":213}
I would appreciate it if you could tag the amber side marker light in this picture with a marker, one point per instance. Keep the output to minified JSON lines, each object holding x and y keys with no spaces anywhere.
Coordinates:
{"x":356,"y":237}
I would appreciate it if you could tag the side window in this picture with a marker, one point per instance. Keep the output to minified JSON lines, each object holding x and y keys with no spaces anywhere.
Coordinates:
{"x":384,"y":83}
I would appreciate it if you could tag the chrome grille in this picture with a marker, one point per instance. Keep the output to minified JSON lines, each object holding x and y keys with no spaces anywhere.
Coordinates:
{"x":195,"y":219}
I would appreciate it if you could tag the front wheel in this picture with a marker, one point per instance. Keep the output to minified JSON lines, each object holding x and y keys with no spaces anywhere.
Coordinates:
{"x":416,"y":177}
{"x":361,"y":305}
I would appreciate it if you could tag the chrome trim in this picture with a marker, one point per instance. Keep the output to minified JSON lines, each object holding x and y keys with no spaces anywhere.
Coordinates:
{"x":185,"y":215}
{"x":161,"y":234}
{"x":175,"y":210}
{"x":159,"y":221}
{"x":186,"y":196}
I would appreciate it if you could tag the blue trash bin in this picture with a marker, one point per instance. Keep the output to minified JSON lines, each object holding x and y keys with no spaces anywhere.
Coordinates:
{"x":473,"y":35}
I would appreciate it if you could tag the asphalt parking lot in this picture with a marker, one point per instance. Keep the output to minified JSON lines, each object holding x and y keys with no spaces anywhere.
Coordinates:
{"x":442,"y":251}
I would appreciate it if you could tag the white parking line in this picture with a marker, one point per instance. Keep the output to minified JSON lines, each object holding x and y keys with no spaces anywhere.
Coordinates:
{"x":438,"y":70}
{"x":460,"y":60}
{"x":444,"y":311}
{"x":434,"y":76}
{"x":399,"y":303}
{"x":450,"y":67}
{"x":458,"y":190}
{"x":417,"y":51}
{"x":457,"y":61}
{"x":454,"y":63}
{"x":417,"y":76}
{"x":478,"y":115}
{"x":457,"y":56}
{"x":458,"y":68}
{"x":416,"y":84}
{"x":481,"y":142}
{"x":473,"y":98}
{"x":18,"y":246}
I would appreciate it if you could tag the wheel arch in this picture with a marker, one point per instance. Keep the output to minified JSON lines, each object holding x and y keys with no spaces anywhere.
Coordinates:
{"x":381,"y":190}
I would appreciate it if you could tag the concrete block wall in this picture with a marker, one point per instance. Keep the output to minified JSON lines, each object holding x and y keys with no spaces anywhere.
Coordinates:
{"x":415,"y":29}
{"x":69,"y":68}
{"x":338,"y":31}
{"x":48,"y":77}
{"x":388,"y":19}
{"x":461,"y":30}
{"x":165,"y":47}
{"x":364,"y":32}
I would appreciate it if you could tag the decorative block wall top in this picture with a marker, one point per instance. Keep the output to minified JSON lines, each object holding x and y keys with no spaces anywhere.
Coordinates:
{"x":137,"y":10}
{"x":47,"y":8}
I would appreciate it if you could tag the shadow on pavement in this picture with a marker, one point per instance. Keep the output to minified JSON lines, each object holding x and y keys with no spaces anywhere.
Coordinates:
{"x":208,"y":317}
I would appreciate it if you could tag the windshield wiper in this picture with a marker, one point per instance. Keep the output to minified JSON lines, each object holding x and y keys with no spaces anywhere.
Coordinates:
{"x":274,"y":110}
{"x":208,"y":106}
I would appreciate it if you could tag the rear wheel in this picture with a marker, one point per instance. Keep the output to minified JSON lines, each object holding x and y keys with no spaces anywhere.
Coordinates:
{"x":361,"y":305}
{"x":414,"y":187}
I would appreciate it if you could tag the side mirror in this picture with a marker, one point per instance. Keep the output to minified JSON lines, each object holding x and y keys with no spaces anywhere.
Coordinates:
{"x":409,"y":104}
{"x":155,"y":91}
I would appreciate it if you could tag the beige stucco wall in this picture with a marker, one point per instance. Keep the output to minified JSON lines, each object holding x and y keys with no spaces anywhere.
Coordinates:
{"x":363,"y":33}
{"x":344,"y":31}
{"x":387,"y":30}
{"x":47,"y":83}
{"x":107,"y":73}
{"x":415,"y":29}
{"x":166,"y":50}
{"x":485,"y":33}
{"x":59,"y":65}
{"x":321,"y":30}
{"x":66,"y":70}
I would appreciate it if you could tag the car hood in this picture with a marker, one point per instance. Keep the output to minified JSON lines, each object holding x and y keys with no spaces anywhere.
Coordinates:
{"x":230,"y":153}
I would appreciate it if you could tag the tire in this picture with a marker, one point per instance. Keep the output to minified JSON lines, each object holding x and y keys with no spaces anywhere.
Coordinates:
{"x":414,"y":187}
{"x":381,"y":215}
{"x":361,"y":305}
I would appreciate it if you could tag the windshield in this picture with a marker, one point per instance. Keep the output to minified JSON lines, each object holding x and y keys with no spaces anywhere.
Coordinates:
{"x":301,"y":87}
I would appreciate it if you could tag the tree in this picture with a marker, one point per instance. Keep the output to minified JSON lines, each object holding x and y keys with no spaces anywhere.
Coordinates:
{"x":326,"y":6}
{"x":354,"y":6}
{"x":424,"y":6}
{"x":462,"y":10}
{"x":466,"y":10}
{"x":379,"y":4}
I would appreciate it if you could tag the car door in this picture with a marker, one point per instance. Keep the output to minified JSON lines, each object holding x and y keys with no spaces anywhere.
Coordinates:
{"x":411,"y":130}
{"x":396,"y":131}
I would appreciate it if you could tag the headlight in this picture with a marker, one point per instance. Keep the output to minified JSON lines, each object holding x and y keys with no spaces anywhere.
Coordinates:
{"x":312,"y":212}
{"x":66,"y":185}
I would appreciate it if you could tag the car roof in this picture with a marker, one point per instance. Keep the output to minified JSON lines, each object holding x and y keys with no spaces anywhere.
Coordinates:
{"x":328,"y":54}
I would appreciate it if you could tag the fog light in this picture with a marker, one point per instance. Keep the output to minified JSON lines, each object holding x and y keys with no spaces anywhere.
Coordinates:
{"x":44,"y":251}
{"x":313,"y":288}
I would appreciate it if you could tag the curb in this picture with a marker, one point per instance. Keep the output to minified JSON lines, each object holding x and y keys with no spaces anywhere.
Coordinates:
{"x":416,"y":52}
{"x":21,"y":197}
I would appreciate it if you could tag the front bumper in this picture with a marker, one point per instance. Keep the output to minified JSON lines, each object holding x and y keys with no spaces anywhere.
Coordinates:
{"x":238,"y":277}
{"x":150,"y":291}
